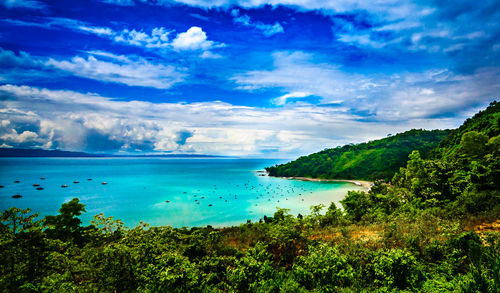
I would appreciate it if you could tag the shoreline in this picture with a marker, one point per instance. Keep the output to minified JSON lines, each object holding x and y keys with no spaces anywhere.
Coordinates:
{"x":366,"y":185}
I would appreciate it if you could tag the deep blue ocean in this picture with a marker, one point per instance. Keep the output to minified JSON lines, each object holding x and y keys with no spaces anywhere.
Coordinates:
{"x":161,"y":191}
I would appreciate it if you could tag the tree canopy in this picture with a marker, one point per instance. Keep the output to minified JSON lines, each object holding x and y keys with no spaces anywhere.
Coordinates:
{"x":378,"y":159}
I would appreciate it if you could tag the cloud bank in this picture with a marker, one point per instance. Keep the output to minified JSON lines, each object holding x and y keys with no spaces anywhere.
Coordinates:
{"x":37,"y":117}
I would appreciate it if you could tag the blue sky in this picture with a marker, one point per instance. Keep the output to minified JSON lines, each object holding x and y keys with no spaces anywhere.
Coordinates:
{"x":261,"y":78}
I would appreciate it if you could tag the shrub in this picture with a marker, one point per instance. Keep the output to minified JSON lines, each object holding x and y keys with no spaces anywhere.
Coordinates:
{"x":325,"y":269}
{"x":397,"y":269}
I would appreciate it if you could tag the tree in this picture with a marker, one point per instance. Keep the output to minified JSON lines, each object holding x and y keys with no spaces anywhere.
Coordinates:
{"x":66,"y":226}
{"x":473,"y":144}
{"x":22,"y":248}
{"x":356,"y":205}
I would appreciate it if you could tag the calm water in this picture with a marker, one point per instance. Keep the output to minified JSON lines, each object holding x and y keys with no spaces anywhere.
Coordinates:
{"x":138,"y":189}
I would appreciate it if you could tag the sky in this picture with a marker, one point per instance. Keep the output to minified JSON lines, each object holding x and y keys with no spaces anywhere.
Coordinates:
{"x":249,"y":78}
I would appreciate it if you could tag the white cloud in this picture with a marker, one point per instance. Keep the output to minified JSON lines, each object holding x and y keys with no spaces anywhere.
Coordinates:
{"x":10,"y":59}
{"x":362,"y":40}
{"x":297,"y":72}
{"x":391,"y":21}
{"x":390,"y":8}
{"x":97,"y":65}
{"x":136,"y":72}
{"x":193,"y":39}
{"x":159,"y":38}
{"x":209,"y":55}
{"x":284,"y":98}
{"x":267,"y":29}
{"x":19,"y":138}
{"x":76,"y":121}
{"x":120,"y":2}
{"x":29,"y":4}
{"x":379,"y":96}
{"x":401,"y":25}
{"x":242,"y":19}
{"x":100,"y":31}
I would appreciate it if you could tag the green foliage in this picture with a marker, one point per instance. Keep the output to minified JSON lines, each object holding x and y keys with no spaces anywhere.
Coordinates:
{"x":22,"y":249}
{"x":356,"y":205}
{"x":486,"y":122}
{"x":396,"y":269}
{"x":164,"y":259}
{"x":67,"y":225}
{"x":378,"y":159}
{"x":325,"y":269}
{"x":422,"y":246}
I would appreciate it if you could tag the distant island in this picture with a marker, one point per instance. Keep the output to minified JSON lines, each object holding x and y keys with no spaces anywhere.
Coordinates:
{"x":32,"y":153}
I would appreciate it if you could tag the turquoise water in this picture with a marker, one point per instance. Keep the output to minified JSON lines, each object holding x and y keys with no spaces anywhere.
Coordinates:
{"x":138,"y":189}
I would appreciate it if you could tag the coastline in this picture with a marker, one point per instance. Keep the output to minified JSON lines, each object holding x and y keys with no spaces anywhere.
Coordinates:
{"x":366,"y":185}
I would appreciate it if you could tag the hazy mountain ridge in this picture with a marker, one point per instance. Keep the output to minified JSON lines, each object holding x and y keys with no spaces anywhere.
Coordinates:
{"x":14,"y":152}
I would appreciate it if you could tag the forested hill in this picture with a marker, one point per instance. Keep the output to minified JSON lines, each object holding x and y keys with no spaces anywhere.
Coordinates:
{"x":378,"y":159}
{"x":487,"y":122}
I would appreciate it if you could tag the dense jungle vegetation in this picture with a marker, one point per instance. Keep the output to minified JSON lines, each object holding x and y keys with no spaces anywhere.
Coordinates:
{"x":433,"y":228}
{"x":378,"y":159}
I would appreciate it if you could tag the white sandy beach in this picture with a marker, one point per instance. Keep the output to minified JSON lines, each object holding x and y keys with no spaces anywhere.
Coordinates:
{"x":367,"y":185}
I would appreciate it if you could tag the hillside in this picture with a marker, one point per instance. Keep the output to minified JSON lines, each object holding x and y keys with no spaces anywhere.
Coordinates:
{"x":486,"y":122}
{"x":378,"y":159}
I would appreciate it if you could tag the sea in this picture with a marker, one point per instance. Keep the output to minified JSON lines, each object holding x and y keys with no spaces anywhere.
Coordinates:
{"x":178,"y":192}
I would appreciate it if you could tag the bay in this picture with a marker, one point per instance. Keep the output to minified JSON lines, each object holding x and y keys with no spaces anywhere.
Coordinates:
{"x":161,"y":191}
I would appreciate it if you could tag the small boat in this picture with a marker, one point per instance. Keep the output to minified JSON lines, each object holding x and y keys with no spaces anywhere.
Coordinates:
{"x":76,"y":181}
{"x":210,"y":205}
{"x":42,"y":178}
{"x":104,"y":183}
{"x":64,"y":186}
{"x":89,"y":179}
{"x":16,"y":181}
{"x":35,"y":185}
{"x":167,"y":201}
{"x":1,"y":186}
{"x":39,"y":188}
{"x":17,"y":196}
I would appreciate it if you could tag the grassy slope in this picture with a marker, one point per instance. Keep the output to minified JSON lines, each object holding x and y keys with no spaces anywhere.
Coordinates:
{"x":372,"y":160}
